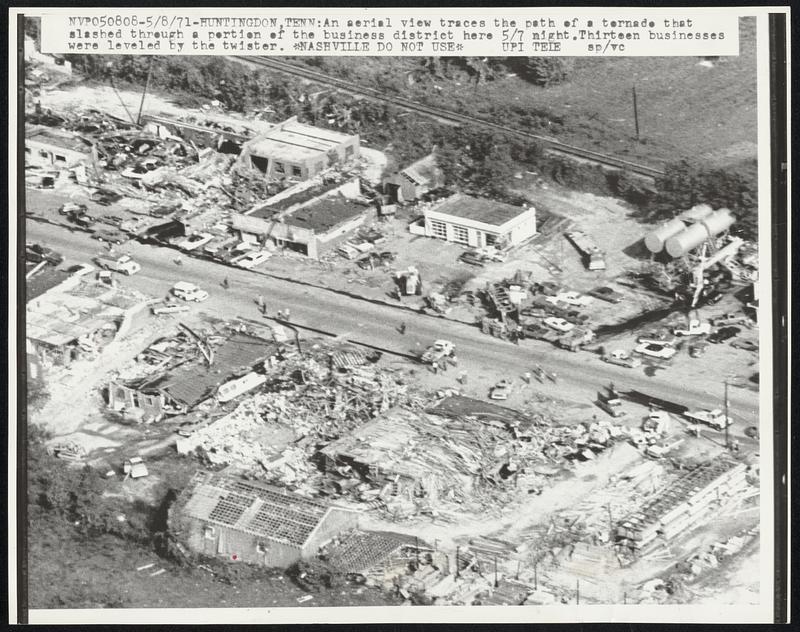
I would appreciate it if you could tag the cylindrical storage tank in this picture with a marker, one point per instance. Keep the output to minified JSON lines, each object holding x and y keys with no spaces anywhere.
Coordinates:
{"x":655,"y":241}
{"x":678,"y":245}
{"x":696,"y":213}
{"x":719,"y":221}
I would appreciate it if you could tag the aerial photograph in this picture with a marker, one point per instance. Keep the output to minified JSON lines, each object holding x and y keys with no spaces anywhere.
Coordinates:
{"x":388,"y":331}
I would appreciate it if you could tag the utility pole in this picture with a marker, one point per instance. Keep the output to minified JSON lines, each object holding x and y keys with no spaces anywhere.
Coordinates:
{"x":457,"y":562}
{"x":635,"y":113}
{"x":146,"y":86}
{"x":495,"y":571}
{"x":725,"y":421}
{"x":577,"y":591}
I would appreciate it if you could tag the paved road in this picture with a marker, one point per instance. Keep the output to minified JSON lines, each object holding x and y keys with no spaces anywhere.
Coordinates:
{"x":579,"y":374}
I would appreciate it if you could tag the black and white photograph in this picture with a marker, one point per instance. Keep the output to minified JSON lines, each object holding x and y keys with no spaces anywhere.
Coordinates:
{"x":352,"y":330}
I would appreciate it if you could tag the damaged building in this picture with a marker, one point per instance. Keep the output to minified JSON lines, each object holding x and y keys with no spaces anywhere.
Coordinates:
{"x":53,"y":148}
{"x":223,"y":514}
{"x":307,"y":223}
{"x":75,"y":320}
{"x":477,"y":222}
{"x":299,"y":151}
{"x":406,"y":185}
{"x":219,"y":371}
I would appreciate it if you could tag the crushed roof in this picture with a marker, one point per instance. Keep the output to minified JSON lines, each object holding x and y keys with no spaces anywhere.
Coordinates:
{"x":482,"y":210}
{"x":255,"y":508}
{"x":58,"y":138}
{"x":360,"y":551}
{"x":193,"y":381}
{"x":424,"y":171}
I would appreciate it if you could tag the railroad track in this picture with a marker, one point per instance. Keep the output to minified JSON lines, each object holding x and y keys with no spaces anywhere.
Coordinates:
{"x":550,"y":144}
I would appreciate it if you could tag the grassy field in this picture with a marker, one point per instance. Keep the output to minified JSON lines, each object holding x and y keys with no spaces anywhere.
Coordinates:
{"x":686,"y":109}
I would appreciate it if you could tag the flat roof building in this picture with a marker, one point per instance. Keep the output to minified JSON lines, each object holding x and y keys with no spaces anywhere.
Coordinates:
{"x":309,"y":225}
{"x":299,"y":151}
{"x":479,"y":222}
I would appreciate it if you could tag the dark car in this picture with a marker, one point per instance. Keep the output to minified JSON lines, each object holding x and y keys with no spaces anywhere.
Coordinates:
{"x":82,"y":219}
{"x":110,"y":236}
{"x":104,"y":197}
{"x":607,"y":294}
{"x":112,"y":220}
{"x":723,"y":334}
{"x":36,"y":253}
{"x":472,"y":259}
{"x":548,"y":288}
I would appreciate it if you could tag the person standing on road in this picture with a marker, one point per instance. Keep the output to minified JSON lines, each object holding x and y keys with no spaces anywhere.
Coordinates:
{"x":225,"y":283}
{"x":402,"y":328}
{"x":260,"y":302}
{"x":286,"y":314}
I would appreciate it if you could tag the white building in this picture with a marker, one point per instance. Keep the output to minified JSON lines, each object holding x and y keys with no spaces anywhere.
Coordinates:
{"x":479,"y":222}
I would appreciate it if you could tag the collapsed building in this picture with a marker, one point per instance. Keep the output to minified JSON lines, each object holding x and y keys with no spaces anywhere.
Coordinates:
{"x":295,"y":150}
{"x":77,"y":319}
{"x":191,"y":371}
{"x":683,"y":504}
{"x":223,"y":514}
{"x":476,"y":222}
{"x":53,"y":148}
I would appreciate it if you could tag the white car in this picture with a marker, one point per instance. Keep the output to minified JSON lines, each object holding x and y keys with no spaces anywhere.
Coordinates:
{"x":251,"y":259}
{"x":195,"y":241}
{"x":559,"y":324}
{"x":695,"y":328}
{"x":622,"y":358}
{"x":189,"y":292}
{"x":656,"y":350}
{"x":574,"y":298}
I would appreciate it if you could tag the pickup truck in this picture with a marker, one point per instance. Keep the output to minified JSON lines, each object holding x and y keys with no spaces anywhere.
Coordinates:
{"x":612,"y":405}
{"x":695,"y":328}
{"x":118,"y":263}
{"x":714,"y":418}
{"x":437,"y":351}
{"x":622,"y":358}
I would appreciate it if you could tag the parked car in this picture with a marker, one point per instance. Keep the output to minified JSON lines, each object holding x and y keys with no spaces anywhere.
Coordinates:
{"x":607,"y":294}
{"x":471,"y":258}
{"x":698,"y":349}
{"x":747,"y":345}
{"x":112,"y":220}
{"x":723,"y":334}
{"x":82,"y":219}
{"x":548,"y":288}
{"x":559,"y":324}
{"x":695,"y":328}
{"x":656,"y":350}
{"x":189,"y":292}
{"x":574,"y":298}
{"x":80,"y":269}
{"x":118,"y":263}
{"x":71,"y":208}
{"x":622,"y":358}
{"x":250,"y":260}
{"x":104,"y":197}
{"x":110,"y":236}
{"x":192,"y":242}
{"x":36,"y":253}
{"x":501,"y":390}
{"x":654,"y":335}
